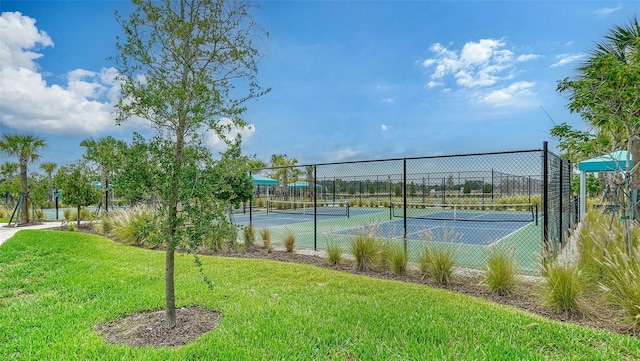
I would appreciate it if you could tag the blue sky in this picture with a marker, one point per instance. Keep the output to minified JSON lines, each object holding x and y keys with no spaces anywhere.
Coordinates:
{"x":350,"y":80}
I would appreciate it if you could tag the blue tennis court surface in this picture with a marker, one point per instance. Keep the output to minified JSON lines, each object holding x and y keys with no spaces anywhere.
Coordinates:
{"x":467,"y":232}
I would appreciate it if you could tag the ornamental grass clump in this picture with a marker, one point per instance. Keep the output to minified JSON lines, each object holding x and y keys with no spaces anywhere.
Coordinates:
{"x":249,"y":236}
{"x":437,"y":260}
{"x":265,"y":234}
{"x":398,"y":260}
{"x":289,"y":240}
{"x":334,"y":254}
{"x":366,"y":251}
{"x":610,"y":264}
{"x":564,"y":287}
{"x":132,"y":226}
{"x":622,"y":283}
{"x":501,"y":271}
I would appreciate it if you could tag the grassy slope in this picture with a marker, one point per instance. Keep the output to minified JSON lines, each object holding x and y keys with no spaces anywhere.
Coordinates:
{"x":55,"y":286}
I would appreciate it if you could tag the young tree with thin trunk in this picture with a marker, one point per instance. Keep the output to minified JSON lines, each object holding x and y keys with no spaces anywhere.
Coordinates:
{"x":182,"y":65}
{"x":49,"y":168}
{"x":75,"y":185}
{"x":7,"y":171}
{"x":25,"y":147}
{"x":106,"y":153}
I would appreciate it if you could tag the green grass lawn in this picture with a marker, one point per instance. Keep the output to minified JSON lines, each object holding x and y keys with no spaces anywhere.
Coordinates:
{"x":4,"y":220}
{"x":55,"y":286}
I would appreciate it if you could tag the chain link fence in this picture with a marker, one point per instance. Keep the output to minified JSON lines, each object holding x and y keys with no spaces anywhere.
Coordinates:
{"x":519,"y":200}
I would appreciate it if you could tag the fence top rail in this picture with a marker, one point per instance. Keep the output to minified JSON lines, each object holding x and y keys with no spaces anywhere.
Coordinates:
{"x":256,"y":170}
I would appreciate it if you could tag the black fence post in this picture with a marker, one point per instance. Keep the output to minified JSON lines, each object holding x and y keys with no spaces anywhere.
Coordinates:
{"x":545,"y":199}
{"x":493,"y":187}
{"x":404,"y":201}
{"x":315,"y":208}
{"x":251,"y":203}
{"x":561,"y":206}
{"x":390,"y":200}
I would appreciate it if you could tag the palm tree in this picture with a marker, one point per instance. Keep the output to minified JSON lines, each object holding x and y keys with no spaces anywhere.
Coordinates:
{"x":49,"y":167}
{"x":25,"y":147}
{"x":623,"y":44}
{"x":286,"y":173}
{"x":8,"y":169}
{"x":311,"y":189}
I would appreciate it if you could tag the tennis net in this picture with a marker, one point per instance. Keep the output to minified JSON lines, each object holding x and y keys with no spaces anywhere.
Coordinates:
{"x":468,"y":212}
{"x":321,"y":208}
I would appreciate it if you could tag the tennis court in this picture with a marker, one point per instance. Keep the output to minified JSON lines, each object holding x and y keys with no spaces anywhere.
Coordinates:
{"x":462,"y":224}
{"x":281,"y":213}
{"x":459,"y":232}
{"x":468,"y":229}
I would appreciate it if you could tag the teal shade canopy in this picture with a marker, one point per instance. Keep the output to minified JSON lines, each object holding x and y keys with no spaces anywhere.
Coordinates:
{"x":262,"y":180}
{"x":611,"y":162}
{"x":302,"y":184}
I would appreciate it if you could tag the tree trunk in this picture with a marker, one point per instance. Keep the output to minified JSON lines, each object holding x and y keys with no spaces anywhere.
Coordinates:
{"x":170,"y":297}
{"x":24,"y":189}
{"x":105,"y":190}
{"x":78,"y":217}
{"x":169,"y":283}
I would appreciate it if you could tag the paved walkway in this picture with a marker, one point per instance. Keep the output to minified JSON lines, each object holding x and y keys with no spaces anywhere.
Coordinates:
{"x":8,"y":232}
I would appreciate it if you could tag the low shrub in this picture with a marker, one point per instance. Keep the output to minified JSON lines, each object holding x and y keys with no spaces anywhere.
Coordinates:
{"x":501,"y":271}
{"x":5,"y":212}
{"x":72,"y":216}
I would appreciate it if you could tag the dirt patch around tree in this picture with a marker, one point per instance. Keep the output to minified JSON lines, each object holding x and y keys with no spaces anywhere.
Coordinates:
{"x":149,"y":328}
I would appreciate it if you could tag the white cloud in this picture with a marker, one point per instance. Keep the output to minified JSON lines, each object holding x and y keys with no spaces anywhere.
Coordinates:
{"x":82,"y":106}
{"x":607,"y":11}
{"x":19,"y":36}
{"x":384,"y":127}
{"x":230,"y":131}
{"x":527,"y":57}
{"x":564,"y":59}
{"x":480,"y":52}
{"x":427,"y":63}
{"x":388,"y":101}
{"x":477,"y":64}
{"x":512,"y":95}
{"x":343,"y":154}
